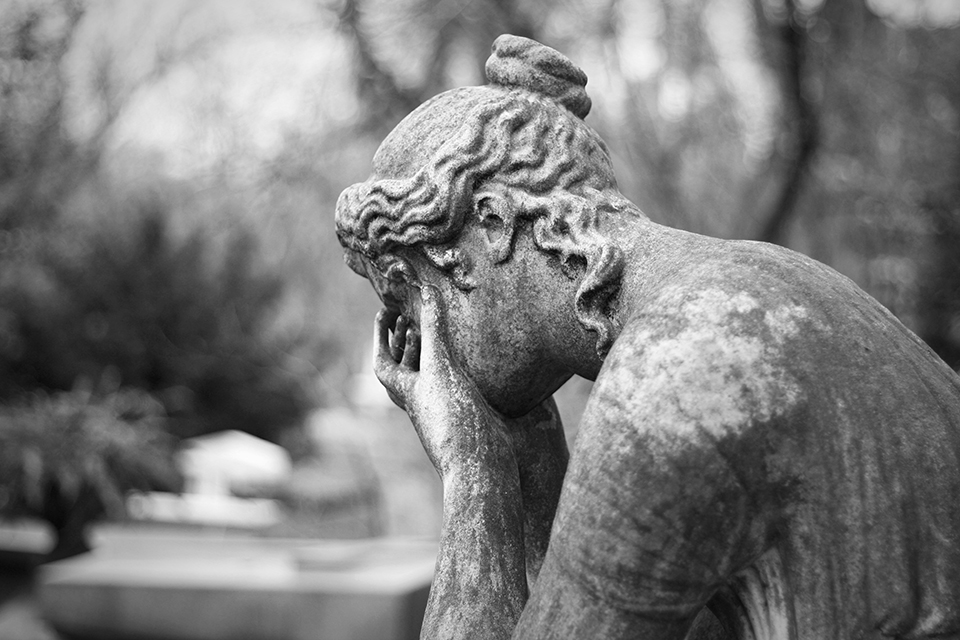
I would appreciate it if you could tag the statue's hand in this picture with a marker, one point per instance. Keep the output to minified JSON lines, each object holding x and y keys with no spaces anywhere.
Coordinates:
{"x":455,"y":425}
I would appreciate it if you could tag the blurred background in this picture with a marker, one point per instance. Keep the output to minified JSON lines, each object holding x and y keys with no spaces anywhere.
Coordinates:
{"x":168,"y":176}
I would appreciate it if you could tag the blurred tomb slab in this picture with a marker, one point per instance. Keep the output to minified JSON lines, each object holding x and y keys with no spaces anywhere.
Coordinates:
{"x":169,"y":585}
{"x":24,"y":542}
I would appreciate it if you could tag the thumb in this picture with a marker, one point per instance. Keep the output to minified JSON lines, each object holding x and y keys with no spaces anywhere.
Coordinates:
{"x":433,"y":325}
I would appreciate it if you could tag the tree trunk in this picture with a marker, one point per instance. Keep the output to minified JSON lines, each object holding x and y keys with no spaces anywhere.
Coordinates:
{"x":70,"y":519}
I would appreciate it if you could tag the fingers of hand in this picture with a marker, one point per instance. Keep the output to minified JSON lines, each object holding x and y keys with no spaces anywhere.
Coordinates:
{"x":384,"y":365}
{"x":382,"y":325}
{"x":397,"y":354}
{"x":411,"y":354}
{"x":398,"y":339}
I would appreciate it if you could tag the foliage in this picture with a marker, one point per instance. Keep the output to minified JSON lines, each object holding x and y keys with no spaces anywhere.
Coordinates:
{"x":70,"y":457}
{"x":82,"y":293}
{"x":185,"y":320}
{"x":38,"y":161}
{"x":882,"y":200}
{"x":114,"y":295}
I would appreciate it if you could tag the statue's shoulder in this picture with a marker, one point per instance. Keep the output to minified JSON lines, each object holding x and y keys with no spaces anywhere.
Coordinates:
{"x":746,"y":332}
{"x":720,"y":344}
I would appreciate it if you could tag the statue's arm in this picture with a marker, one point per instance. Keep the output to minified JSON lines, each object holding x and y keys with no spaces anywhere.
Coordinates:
{"x":479,"y":588}
{"x":540,"y":447}
{"x":653,"y":518}
{"x":651,"y":521}
{"x":480,"y":584}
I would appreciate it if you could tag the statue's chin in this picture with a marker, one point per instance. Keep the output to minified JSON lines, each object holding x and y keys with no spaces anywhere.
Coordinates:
{"x":518,"y":403}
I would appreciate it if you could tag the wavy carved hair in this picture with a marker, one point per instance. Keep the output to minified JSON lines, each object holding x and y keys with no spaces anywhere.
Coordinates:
{"x":549,"y":169}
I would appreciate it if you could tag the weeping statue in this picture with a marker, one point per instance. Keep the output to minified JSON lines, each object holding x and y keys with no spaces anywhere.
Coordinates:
{"x":766,"y":453}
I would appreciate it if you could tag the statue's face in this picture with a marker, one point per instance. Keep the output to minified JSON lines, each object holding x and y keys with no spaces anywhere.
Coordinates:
{"x":514,"y":334}
{"x":502,"y":342}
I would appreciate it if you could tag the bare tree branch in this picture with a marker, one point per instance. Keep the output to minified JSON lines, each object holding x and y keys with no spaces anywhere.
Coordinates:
{"x":23,"y":179}
{"x":802,"y":119}
{"x":376,"y":83}
{"x":33,"y":185}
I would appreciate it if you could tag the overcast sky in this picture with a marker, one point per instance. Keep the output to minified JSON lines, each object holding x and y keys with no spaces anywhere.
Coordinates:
{"x":240,"y":73}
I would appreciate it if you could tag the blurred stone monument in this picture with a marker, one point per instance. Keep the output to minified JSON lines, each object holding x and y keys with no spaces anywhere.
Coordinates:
{"x":216,"y":467}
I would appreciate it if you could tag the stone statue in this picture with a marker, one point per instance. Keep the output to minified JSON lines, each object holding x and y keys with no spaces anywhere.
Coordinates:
{"x":766,"y":453}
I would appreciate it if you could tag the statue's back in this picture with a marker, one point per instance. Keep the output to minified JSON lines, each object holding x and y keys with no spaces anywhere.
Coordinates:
{"x":775,"y":413}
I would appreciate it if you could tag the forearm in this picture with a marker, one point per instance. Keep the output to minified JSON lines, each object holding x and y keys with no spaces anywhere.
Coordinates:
{"x":542,"y":460}
{"x":479,"y":588}
{"x":480,"y":584}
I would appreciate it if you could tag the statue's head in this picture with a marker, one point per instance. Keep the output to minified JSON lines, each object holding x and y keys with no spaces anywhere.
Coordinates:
{"x":511,"y":157}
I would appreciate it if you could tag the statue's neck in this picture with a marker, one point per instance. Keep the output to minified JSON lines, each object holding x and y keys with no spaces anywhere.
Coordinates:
{"x":652,"y":253}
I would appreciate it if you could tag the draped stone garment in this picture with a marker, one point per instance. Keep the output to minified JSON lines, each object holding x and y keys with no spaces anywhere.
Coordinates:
{"x":764,"y":434}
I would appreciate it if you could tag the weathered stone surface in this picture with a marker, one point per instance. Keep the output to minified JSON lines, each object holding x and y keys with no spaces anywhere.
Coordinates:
{"x":767,"y":452}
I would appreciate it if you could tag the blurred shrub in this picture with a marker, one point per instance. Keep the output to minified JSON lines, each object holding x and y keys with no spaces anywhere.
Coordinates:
{"x":185,"y":319}
{"x":69,"y":458}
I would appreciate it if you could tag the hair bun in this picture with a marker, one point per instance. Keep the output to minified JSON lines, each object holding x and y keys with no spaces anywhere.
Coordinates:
{"x":527,"y":64}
